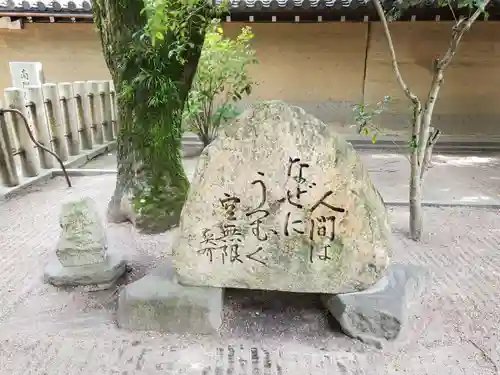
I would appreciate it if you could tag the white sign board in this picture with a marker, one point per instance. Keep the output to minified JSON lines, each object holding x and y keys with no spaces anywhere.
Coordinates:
{"x":26,"y":73}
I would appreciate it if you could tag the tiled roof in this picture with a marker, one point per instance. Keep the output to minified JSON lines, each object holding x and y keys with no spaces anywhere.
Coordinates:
{"x":85,"y":6}
{"x":277,"y":4}
{"x":62,"y":6}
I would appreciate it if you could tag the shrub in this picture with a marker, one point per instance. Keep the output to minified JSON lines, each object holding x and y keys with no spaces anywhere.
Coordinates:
{"x":220,"y":82}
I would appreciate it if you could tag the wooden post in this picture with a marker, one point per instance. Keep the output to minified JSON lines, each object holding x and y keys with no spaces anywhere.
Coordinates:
{"x":8,"y":170}
{"x":69,"y":117}
{"x":105,"y":99}
{"x":30,"y":164}
{"x":94,"y":104}
{"x":114,"y":113}
{"x":55,"y":118}
{"x":82,"y":107}
{"x":36,"y":107}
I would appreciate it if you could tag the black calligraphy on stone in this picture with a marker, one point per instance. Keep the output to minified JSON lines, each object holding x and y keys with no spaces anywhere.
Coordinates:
{"x":317,"y":227}
{"x":322,"y":227}
{"x":293,"y":197}
{"x":295,"y":171}
{"x":229,"y":203}
{"x":25,"y":79}
{"x":259,"y":213}
{"x":224,"y":242}
{"x":252,"y":256}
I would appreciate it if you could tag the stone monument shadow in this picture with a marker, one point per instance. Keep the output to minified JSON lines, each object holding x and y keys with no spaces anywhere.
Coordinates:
{"x":263,"y":312}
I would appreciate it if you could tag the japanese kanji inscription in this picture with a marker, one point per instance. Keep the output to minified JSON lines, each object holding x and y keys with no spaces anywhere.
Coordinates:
{"x":224,"y":244}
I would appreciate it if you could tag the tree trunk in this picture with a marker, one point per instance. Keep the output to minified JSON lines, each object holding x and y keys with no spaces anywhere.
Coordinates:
{"x":152,"y":85}
{"x":420,"y":155}
{"x":416,"y":214}
{"x":415,"y":196}
{"x":205,"y":139}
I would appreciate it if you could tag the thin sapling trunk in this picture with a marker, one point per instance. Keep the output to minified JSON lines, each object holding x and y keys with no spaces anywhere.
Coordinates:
{"x":423,"y":135}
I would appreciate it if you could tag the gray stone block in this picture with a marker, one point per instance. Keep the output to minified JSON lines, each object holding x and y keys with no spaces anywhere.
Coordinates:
{"x":379,"y":314}
{"x":100,"y":276}
{"x":83,"y":238}
{"x":157,"y":302}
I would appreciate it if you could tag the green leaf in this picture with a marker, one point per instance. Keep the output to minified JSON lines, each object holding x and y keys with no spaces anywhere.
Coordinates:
{"x":159,"y":35}
{"x":374,"y":138}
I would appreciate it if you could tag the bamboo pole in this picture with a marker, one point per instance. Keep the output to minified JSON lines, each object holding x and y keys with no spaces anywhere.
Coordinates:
{"x":8,"y":170}
{"x":55,"y":118}
{"x":82,"y":106}
{"x":69,"y":117}
{"x":30,"y":164}
{"x":95,"y":113}
{"x":36,"y":107}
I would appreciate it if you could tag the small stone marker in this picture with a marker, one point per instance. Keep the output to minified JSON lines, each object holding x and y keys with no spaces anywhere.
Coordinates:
{"x":279,"y":201}
{"x":83,"y":240}
{"x":82,"y":256}
{"x":379,"y":314}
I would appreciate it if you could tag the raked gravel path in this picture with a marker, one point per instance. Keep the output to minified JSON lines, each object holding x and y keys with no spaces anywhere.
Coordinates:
{"x":44,"y":330}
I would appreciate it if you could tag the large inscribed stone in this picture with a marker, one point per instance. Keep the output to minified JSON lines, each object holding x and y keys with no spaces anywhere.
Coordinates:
{"x":280,"y":202}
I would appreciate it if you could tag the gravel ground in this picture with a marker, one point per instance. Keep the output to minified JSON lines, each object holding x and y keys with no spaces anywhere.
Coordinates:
{"x":451,"y":178}
{"x":44,"y":330}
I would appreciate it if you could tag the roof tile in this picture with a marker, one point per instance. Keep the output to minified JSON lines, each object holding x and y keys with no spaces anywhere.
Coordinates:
{"x":47,"y":6}
{"x":85,"y":6}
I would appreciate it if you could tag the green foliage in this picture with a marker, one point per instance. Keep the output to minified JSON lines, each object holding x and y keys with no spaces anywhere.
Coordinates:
{"x":365,"y":116}
{"x":156,"y":68}
{"x":220,"y":82}
{"x":397,"y":8}
{"x":174,"y":18}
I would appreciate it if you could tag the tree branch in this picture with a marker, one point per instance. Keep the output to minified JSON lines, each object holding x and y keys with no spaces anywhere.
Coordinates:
{"x":458,"y":31}
{"x":452,"y":11}
{"x":410,"y":95}
{"x":433,"y":137}
{"x":423,"y":135}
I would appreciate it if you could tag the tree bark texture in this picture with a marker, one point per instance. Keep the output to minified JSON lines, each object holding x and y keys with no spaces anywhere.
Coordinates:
{"x":416,"y":221}
{"x":152,"y":86}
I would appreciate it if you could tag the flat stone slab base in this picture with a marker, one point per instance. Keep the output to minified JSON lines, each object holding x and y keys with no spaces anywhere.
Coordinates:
{"x":379,"y":314}
{"x":157,"y":302}
{"x":99,"y":276}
